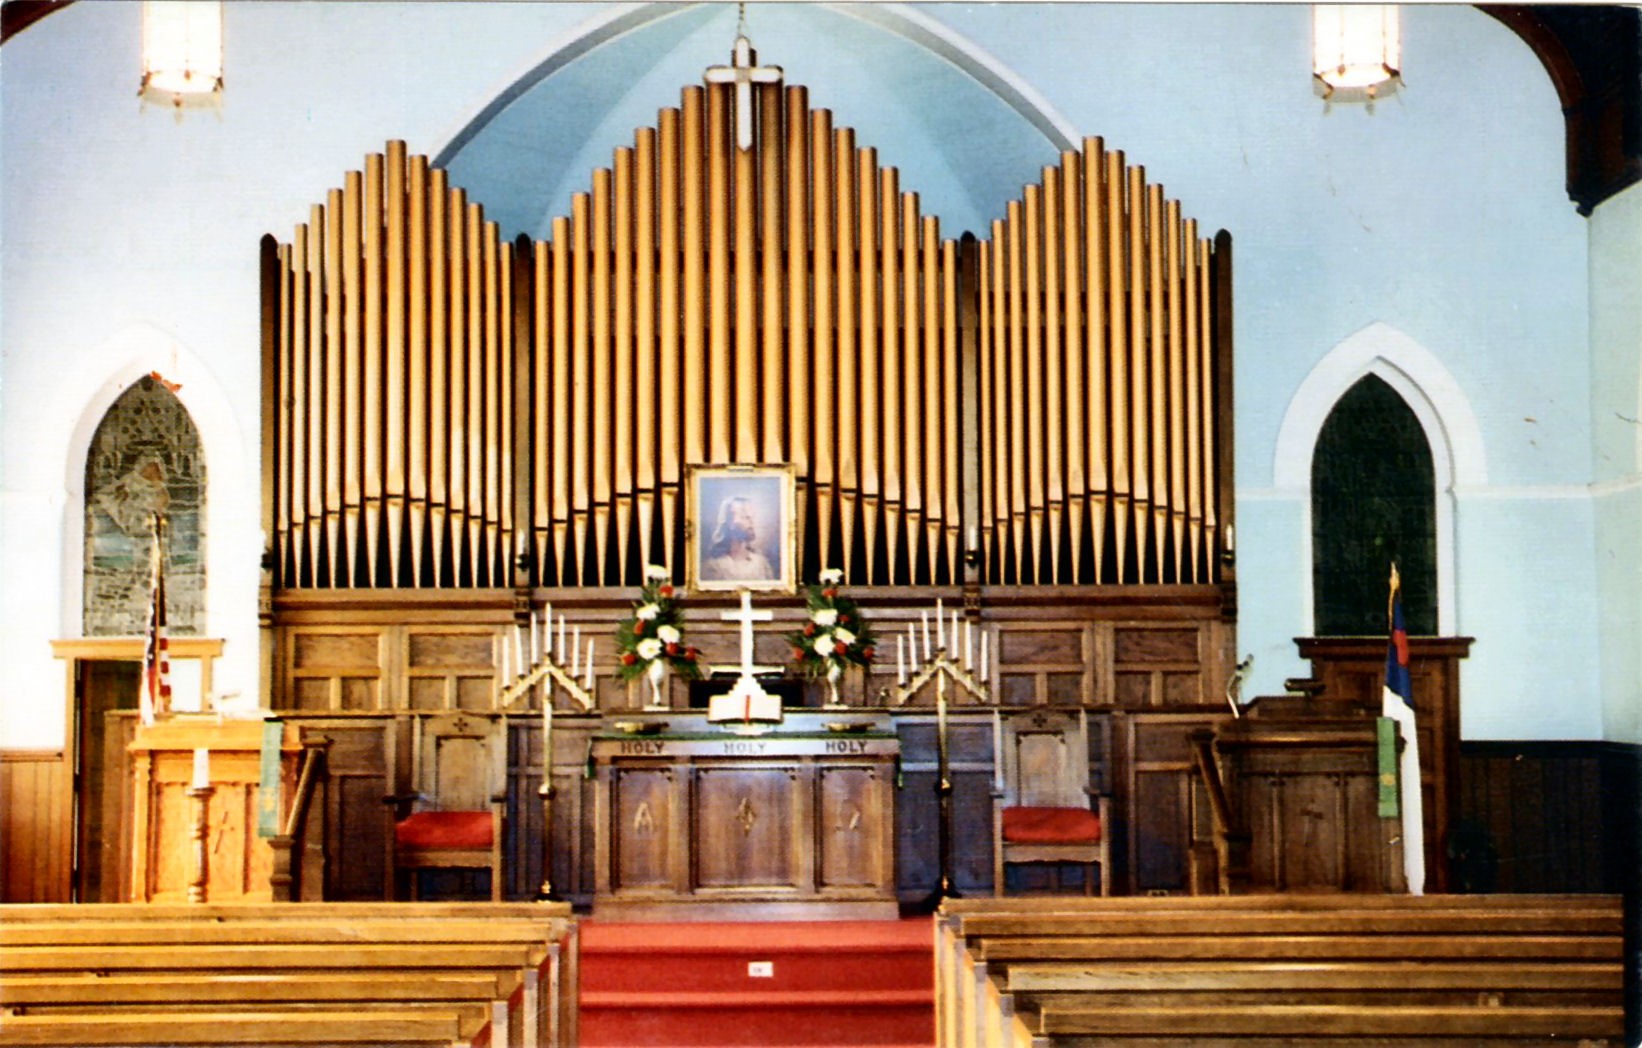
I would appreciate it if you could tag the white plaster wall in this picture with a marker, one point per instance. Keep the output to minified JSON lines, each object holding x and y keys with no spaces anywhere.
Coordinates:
{"x":128,"y":241}
{"x":1616,"y":415}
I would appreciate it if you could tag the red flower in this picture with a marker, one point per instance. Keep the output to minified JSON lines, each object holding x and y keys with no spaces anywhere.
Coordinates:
{"x":831,"y":592}
{"x":840,"y":648}
{"x":809,"y":629}
{"x":798,"y":654}
{"x":691,"y":653}
{"x":672,"y":649}
{"x":843,"y":618}
{"x":868,"y":653}
{"x":665,"y":591}
{"x":628,"y":659}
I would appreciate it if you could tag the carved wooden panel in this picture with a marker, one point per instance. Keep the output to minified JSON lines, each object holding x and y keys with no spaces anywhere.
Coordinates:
{"x":747,"y":827}
{"x":852,"y":853}
{"x":643,"y":855}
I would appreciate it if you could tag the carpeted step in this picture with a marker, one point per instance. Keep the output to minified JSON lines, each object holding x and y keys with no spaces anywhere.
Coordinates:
{"x":827,"y":983}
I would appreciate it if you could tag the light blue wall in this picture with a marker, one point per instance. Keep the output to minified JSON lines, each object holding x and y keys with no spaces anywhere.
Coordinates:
{"x":128,"y":242}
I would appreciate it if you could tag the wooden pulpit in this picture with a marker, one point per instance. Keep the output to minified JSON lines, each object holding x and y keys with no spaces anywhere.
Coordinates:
{"x":166,"y":838}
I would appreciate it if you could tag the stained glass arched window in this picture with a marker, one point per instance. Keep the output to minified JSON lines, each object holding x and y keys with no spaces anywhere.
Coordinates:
{"x":1373,"y":501}
{"x":144,"y":458}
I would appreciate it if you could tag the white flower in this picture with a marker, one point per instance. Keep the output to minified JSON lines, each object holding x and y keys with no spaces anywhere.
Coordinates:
{"x":647,"y":612}
{"x":648,"y":648}
{"x":843,"y":636}
{"x":825,"y":617}
{"x":658,"y":572}
{"x":823,"y":645}
{"x":832,"y":575}
{"x":668,"y":634}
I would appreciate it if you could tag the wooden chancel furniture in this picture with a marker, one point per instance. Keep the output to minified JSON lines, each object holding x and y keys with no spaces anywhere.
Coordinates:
{"x":455,"y":819}
{"x":1042,"y":814}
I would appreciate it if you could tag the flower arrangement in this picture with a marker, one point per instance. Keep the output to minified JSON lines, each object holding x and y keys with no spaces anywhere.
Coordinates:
{"x":653,"y":638}
{"x":835,"y":637}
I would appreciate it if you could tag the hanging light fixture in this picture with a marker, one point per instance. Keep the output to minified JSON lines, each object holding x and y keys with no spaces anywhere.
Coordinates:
{"x":182,"y":52}
{"x":1356,"y":51}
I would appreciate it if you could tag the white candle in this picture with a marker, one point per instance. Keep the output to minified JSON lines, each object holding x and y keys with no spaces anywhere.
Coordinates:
{"x":561,"y":638}
{"x":952,"y":636}
{"x":940,"y":626}
{"x":547,"y":630}
{"x":969,"y":651}
{"x":589,"y":684}
{"x":900,"y":659}
{"x":576,"y":653}
{"x":535,"y":639}
{"x":507,"y":663}
{"x":202,"y":769}
{"x":984,"y":677}
{"x":925,"y":616}
{"x":519,"y":651}
{"x":974,"y":537}
{"x":912,"y":646}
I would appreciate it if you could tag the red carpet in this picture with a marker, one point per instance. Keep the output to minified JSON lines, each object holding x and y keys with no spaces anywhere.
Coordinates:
{"x":833,"y":983}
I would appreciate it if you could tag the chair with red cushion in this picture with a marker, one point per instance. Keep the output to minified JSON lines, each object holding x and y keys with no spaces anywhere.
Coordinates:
{"x":454,"y":820}
{"x":1042,"y":814}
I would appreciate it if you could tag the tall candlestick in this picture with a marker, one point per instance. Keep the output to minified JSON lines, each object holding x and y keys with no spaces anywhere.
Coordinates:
{"x":940,"y":626}
{"x":202,"y":768}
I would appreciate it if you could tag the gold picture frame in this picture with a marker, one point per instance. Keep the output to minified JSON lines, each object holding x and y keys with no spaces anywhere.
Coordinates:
{"x":742,"y":528}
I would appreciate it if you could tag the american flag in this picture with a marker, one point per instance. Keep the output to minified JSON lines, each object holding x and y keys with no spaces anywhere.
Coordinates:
{"x":156,"y":683}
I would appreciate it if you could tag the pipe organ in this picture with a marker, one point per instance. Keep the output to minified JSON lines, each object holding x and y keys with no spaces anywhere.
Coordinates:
{"x":1048,"y":405}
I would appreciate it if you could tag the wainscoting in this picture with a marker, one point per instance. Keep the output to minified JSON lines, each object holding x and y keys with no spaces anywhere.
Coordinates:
{"x":35,"y":852}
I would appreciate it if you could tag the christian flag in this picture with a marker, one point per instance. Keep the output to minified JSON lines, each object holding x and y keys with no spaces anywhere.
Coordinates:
{"x":1397,"y":709}
{"x":155,"y":695}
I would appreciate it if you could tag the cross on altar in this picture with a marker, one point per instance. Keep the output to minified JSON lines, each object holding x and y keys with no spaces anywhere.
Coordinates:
{"x":747,"y":616}
{"x":743,"y":72}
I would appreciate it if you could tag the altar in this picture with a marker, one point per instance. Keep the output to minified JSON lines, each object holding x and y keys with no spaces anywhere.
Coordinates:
{"x":695,"y":820}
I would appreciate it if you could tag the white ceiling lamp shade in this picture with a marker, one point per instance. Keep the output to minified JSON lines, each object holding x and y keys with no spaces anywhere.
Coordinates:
{"x":1356,"y":51}
{"x":182,"y":52}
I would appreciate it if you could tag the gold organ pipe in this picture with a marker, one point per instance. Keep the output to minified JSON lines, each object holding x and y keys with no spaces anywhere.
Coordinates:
{"x":543,"y":465}
{"x":931,"y":378}
{"x":1118,"y":359}
{"x":1080,"y":408}
{"x":396,"y":354}
{"x":476,"y":437}
{"x":798,"y":280}
{"x":456,"y":377}
{"x":986,"y":419}
{"x":1030,"y":245}
{"x":644,"y":341}
{"x":601,"y":438}
{"x":1002,"y":390}
{"x":950,"y":456}
{"x":1177,"y":392}
{"x":848,"y":428}
{"x":439,"y":245}
{"x":887,"y":390}
{"x":1157,"y":308}
{"x":824,"y":351}
{"x":352,"y":368}
{"x":667,"y":330}
{"x":315,"y":452}
{"x":915,"y":384}
{"x":1019,"y":382}
{"x":1194,"y":406}
{"x":717,"y":404}
{"x":561,"y":396}
{"x":869,"y":390}
{"x":1207,"y":348}
{"x":745,"y":295}
{"x":581,"y":381}
{"x":695,"y":292}
{"x":1055,"y":369}
{"x":296,"y":446}
{"x":416,"y":363}
{"x":371,"y":392}
{"x":287,"y":412}
{"x":498,"y":369}
{"x":1139,"y":374}
{"x":772,"y":360}
{"x":333,"y":386}
{"x":622,"y":281}
{"x":1096,"y":220}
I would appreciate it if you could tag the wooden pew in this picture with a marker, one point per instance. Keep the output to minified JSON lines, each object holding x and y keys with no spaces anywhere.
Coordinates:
{"x":516,"y":962}
{"x":1279,"y":968}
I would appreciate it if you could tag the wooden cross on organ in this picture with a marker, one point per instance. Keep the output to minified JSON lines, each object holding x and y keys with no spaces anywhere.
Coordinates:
{"x":743,"y":71}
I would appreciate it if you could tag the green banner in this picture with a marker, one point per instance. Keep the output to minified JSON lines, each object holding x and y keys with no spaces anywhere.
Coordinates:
{"x":1386,"y":734}
{"x":273,"y":737}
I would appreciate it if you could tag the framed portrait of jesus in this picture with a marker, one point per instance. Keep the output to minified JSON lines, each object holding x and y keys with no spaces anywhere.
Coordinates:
{"x":743,"y":528}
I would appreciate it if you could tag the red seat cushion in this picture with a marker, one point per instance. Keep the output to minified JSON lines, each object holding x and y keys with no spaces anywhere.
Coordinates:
{"x":444,"y":829}
{"x":1050,"y":826}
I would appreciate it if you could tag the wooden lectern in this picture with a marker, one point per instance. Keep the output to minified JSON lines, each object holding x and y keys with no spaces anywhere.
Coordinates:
{"x":164,"y":805}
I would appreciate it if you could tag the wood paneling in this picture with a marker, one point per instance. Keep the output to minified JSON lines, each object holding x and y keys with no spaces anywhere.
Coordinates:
{"x":34,"y":826}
